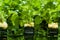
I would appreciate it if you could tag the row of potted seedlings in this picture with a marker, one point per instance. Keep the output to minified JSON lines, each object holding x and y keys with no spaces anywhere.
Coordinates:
{"x":29,"y":30}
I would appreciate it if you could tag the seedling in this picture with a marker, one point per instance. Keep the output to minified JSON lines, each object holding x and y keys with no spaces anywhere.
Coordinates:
{"x":28,"y":32}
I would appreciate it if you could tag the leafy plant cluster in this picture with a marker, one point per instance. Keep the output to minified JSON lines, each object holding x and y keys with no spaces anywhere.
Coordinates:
{"x":18,"y":12}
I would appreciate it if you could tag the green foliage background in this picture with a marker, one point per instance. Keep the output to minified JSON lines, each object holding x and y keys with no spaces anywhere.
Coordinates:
{"x":19,"y":12}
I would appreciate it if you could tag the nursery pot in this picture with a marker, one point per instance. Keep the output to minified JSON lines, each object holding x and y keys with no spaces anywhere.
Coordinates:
{"x":3,"y":34}
{"x":53,"y":31}
{"x":28,"y":33}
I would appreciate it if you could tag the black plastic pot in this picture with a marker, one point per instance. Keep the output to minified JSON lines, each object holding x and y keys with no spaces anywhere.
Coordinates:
{"x":28,"y":33}
{"x":3,"y":34}
{"x":52,"y":34}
